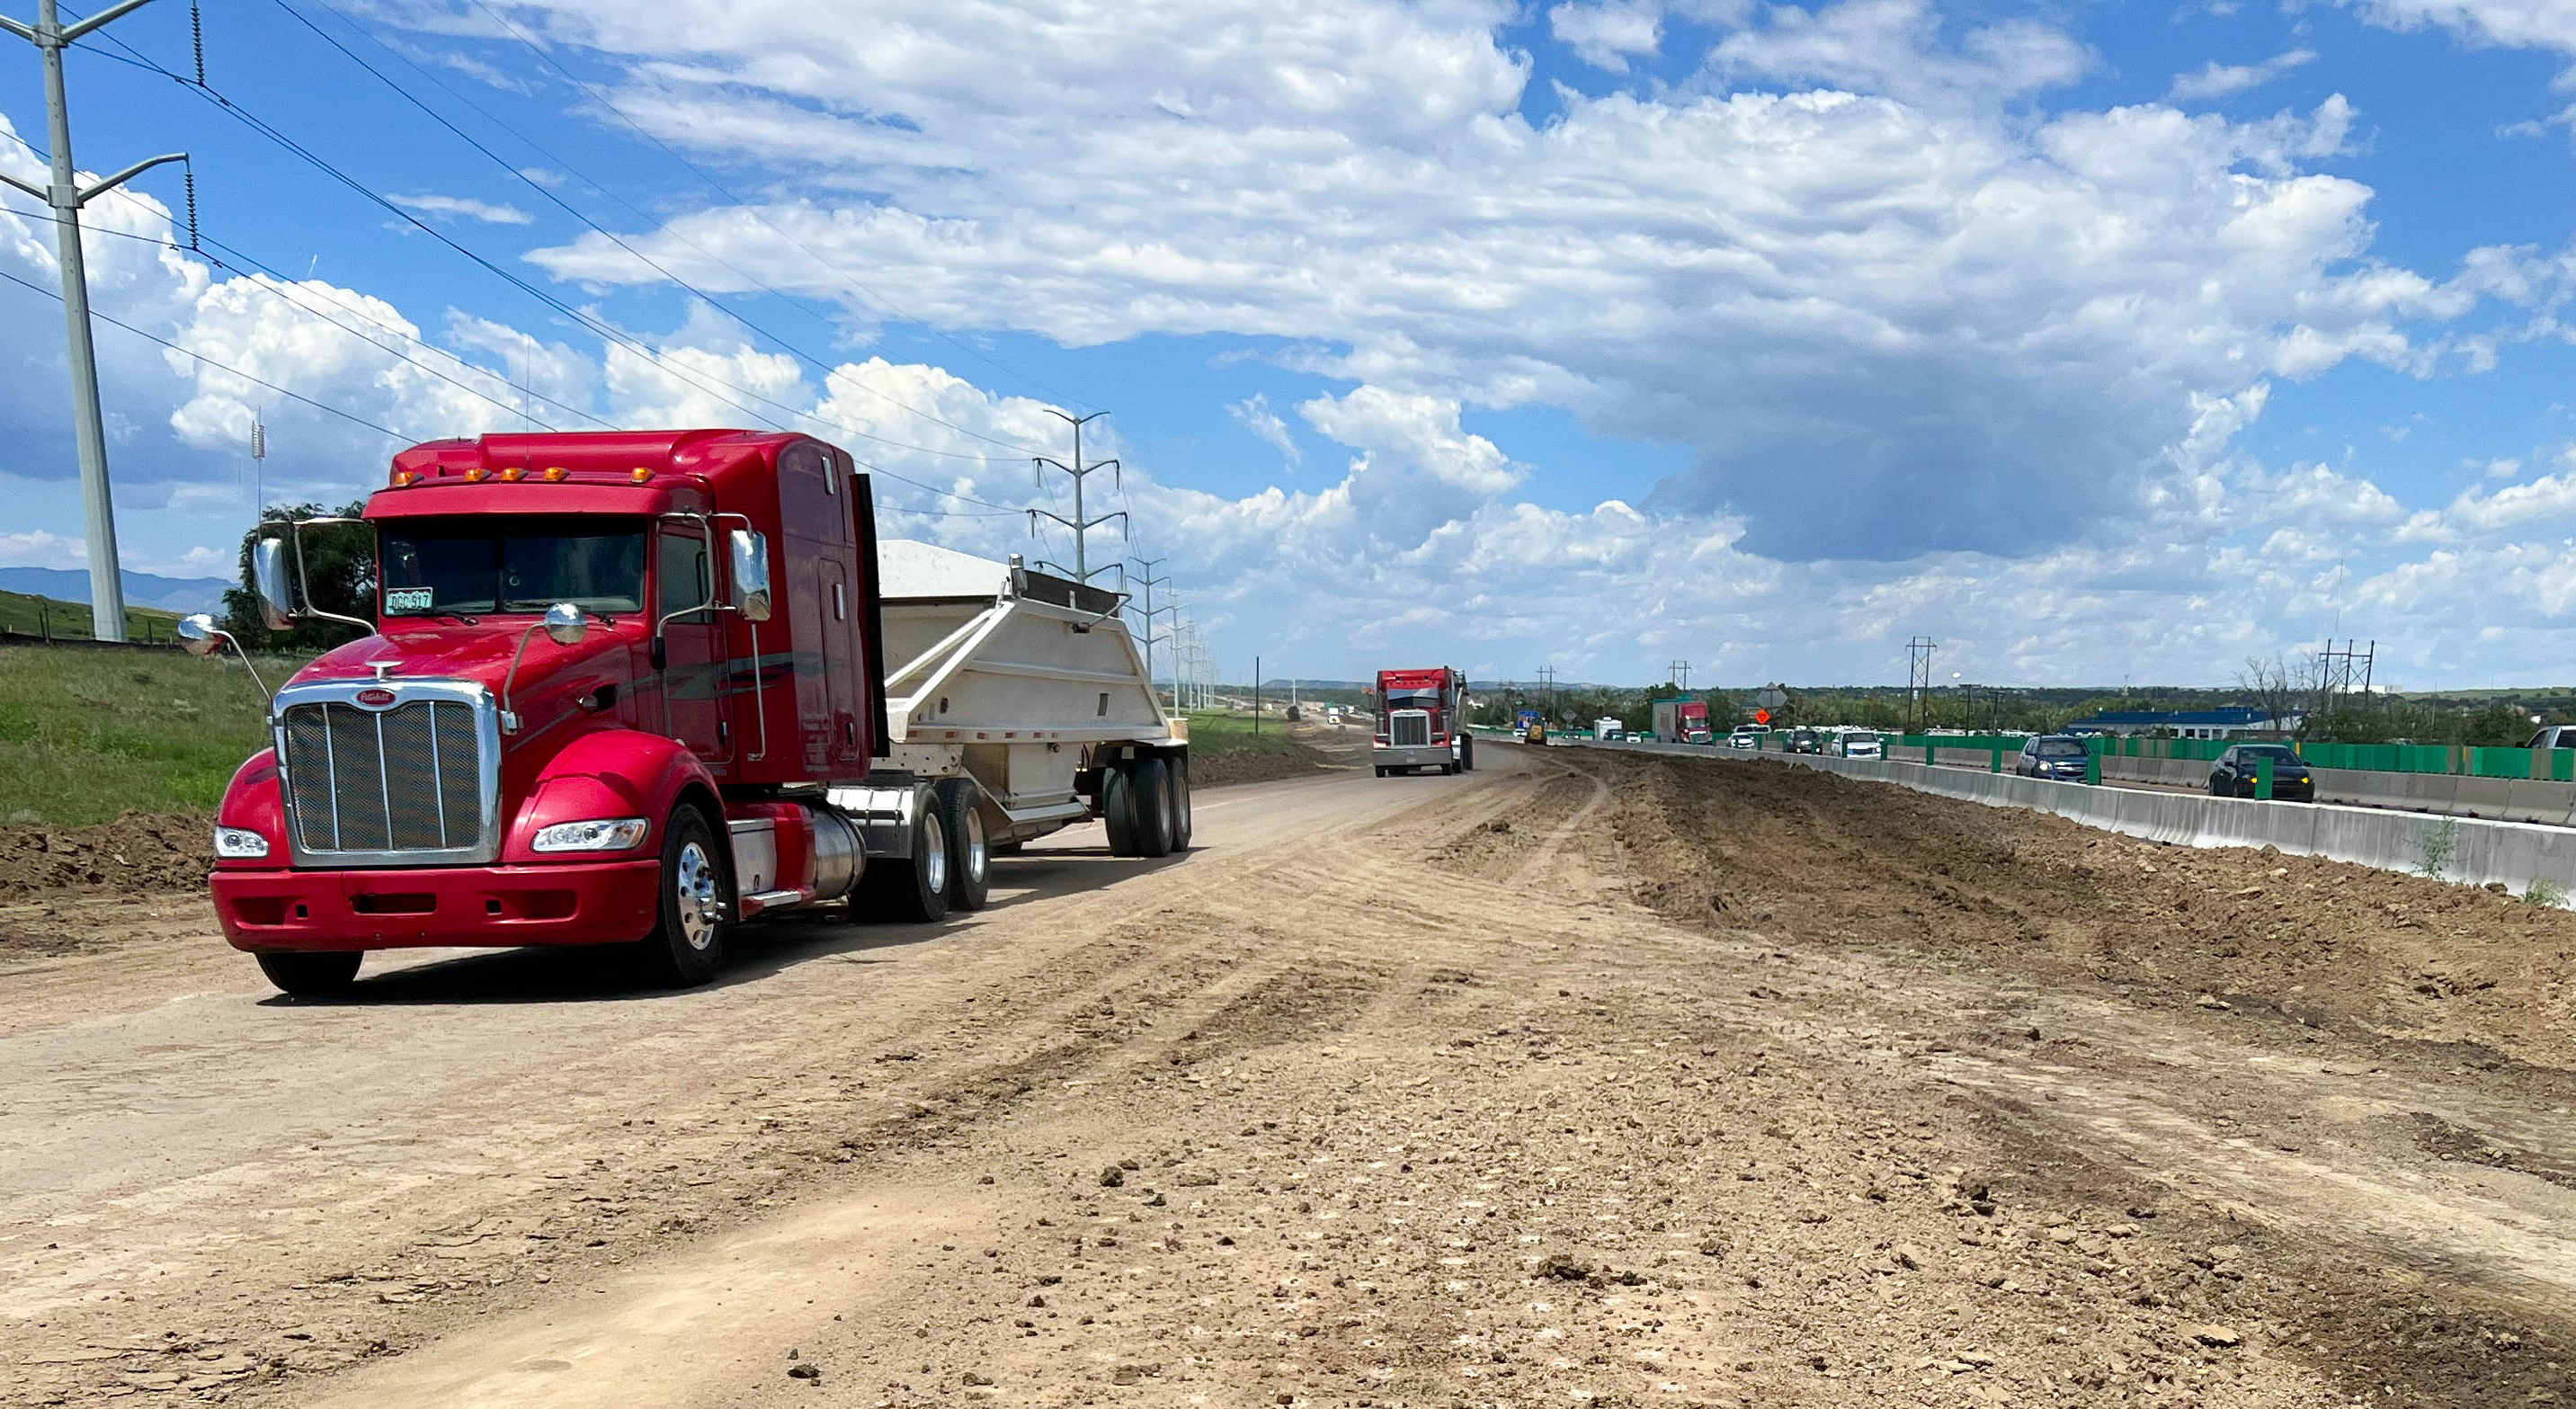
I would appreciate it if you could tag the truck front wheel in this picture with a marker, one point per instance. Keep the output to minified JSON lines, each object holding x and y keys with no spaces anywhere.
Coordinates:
{"x":687,"y":944}
{"x":312,"y":975}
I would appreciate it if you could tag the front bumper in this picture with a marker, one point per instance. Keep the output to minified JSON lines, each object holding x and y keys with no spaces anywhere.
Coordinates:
{"x":496,"y":907}
{"x":1411,"y":755}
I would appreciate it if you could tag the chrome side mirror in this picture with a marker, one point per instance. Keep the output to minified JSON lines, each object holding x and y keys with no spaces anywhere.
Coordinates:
{"x":268,"y":575}
{"x":750,"y":555}
{"x":198,"y":635}
{"x":566,"y":624}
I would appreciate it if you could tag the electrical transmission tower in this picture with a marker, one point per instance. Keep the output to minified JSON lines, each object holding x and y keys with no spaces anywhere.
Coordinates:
{"x":1547,"y":677}
{"x":66,"y":196}
{"x":1918,"y":677}
{"x":1146,"y":579}
{"x":2337,"y":668}
{"x":1080,"y":472}
{"x":1681,"y":673}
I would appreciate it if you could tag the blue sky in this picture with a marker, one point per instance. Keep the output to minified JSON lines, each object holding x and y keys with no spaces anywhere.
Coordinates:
{"x":2096,"y":341}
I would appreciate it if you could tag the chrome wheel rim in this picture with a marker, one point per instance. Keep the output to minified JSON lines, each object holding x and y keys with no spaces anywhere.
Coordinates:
{"x":693,"y":883}
{"x":934,"y":866}
{"x":978,"y":854}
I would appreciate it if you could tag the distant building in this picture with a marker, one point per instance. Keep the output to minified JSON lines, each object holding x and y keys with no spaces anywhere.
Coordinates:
{"x":2188,"y":723}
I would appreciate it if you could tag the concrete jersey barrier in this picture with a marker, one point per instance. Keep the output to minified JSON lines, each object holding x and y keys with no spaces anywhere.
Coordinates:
{"x":2472,"y":851}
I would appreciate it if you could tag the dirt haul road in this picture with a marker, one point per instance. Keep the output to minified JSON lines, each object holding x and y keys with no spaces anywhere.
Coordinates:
{"x":1583,"y":1078}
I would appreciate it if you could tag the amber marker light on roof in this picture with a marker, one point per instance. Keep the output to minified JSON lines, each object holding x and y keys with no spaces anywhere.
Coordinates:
{"x":555,"y":474}
{"x":514,"y":474}
{"x":405,"y":479}
{"x":477,"y":475}
{"x":642,"y":474}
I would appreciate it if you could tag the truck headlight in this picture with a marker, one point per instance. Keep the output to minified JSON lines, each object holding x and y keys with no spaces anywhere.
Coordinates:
{"x":240,"y":844}
{"x":607,"y":834}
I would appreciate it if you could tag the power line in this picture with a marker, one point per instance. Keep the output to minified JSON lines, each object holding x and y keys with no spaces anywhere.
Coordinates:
{"x":622,"y":243}
{"x":754,"y":212}
{"x":349,"y":416}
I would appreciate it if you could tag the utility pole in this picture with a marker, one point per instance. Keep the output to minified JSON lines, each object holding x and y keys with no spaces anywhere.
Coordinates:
{"x":1256,"y":695}
{"x":1547,"y":676}
{"x":1681,"y":672}
{"x":1080,"y":472}
{"x":258,"y":465}
{"x":65,"y":196}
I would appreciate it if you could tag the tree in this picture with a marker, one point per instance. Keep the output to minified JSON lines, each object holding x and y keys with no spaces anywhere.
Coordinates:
{"x":339,"y":573}
{"x":2274,"y":687}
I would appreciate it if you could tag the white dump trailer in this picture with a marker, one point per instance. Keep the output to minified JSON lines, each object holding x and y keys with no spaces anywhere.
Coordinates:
{"x":1023,"y":703}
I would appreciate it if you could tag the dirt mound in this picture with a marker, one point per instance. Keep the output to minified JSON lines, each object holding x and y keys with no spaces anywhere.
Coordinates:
{"x":1244,"y":766}
{"x":134,"y":855}
{"x":1839,"y":859}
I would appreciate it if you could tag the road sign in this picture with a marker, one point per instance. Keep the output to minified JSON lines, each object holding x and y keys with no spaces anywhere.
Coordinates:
{"x":1761,"y":716}
{"x":1771,"y":697}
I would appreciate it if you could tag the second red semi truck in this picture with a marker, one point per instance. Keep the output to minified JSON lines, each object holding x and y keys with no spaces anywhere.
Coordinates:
{"x":1421,"y":722}
{"x":630,"y":688}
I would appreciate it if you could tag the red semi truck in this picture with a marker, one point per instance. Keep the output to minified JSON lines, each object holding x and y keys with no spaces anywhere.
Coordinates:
{"x":1421,"y":722}
{"x":612,"y":680}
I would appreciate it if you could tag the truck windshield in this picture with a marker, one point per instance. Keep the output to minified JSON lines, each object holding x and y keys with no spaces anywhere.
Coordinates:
{"x":1413,"y":699}
{"x":450,"y":567}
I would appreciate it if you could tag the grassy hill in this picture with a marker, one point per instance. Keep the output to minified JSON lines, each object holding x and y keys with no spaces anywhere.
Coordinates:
{"x":28,"y":615}
{"x":87,"y":735}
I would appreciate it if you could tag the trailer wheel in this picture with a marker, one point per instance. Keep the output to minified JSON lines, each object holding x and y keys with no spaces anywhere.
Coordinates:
{"x":1467,"y":754}
{"x":1149,"y":798}
{"x":312,"y":975}
{"x":686,"y":946}
{"x":1118,"y":809}
{"x":1381,"y":772}
{"x":1178,"y":766}
{"x":970,"y":857}
{"x":914,"y":889}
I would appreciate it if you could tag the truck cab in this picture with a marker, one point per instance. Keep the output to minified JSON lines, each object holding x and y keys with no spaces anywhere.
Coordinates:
{"x":1421,"y":722}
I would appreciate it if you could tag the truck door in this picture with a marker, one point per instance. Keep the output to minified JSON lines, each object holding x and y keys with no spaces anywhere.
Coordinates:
{"x":695,"y":707}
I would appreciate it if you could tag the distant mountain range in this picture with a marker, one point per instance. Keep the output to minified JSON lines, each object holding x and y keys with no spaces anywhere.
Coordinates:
{"x":142,"y":589}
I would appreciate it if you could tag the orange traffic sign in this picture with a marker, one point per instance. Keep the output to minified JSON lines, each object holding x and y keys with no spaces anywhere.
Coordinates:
{"x":1761,"y":716}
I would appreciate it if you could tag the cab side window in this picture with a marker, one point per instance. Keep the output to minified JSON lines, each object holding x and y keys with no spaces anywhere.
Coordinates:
{"x":682,"y":570}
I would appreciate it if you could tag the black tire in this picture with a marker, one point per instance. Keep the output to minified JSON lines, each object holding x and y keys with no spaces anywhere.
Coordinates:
{"x":1117,"y":809}
{"x":1381,"y":772}
{"x":1178,"y":765}
{"x":913,"y":889}
{"x":318,"y":975}
{"x":970,"y":856}
{"x":1149,"y":793}
{"x":687,"y":944}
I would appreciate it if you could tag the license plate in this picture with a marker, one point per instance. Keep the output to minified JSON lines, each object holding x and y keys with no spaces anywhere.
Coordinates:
{"x":408,"y":599}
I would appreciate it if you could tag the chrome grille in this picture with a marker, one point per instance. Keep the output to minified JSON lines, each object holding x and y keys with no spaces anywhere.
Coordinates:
{"x":406,"y":781}
{"x":1409,"y":728}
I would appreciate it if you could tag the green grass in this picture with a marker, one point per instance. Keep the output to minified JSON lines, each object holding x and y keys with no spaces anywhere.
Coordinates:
{"x":69,"y":621}
{"x":1222,"y":732}
{"x":86,"y":735}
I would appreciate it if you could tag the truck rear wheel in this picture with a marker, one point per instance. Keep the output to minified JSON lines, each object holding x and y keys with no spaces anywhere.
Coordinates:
{"x":1118,"y":809}
{"x":1467,"y":754}
{"x":312,"y":975}
{"x":1179,"y":767}
{"x":1149,"y":798}
{"x":970,"y":856}
{"x":686,"y":946}
{"x":913,"y":889}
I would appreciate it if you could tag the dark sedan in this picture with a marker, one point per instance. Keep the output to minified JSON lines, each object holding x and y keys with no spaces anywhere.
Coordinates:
{"x":2058,"y":756}
{"x":2234,"y":774}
